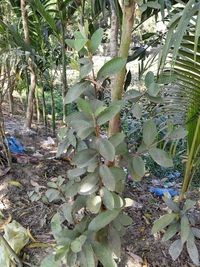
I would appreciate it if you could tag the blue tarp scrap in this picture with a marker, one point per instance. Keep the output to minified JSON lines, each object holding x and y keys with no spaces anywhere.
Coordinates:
{"x":159,"y":192}
{"x":14,"y":145}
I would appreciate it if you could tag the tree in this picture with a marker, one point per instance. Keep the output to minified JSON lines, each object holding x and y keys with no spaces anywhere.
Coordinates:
{"x":33,"y":77}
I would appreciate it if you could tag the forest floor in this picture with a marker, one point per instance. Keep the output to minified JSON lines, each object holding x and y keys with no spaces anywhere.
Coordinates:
{"x":39,"y":166}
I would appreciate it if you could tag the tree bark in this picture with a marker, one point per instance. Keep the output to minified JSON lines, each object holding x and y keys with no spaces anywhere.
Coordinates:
{"x":114,"y":30}
{"x":31,"y":94}
{"x":117,"y":88}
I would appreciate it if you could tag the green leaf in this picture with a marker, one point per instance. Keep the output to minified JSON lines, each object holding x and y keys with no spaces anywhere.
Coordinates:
{"x":66,"y":209}
{"x":171,"y":204}
{"x":108,"y":113}
{"x":107,"y":177}
{"x":153,"y":89}
{"x":189,"y":204}
{"x":79,"y":43}
{"x":89,"y":184}
{"x":87,"y":256}
{"x":162,"y":222}
{"x":111,"y":67}
{"x":138,"y":168}
{"x":187,"y":13}
{"x":106,"y":149}
{"x":85,"y":67}
{"x":149,"y":132}
{"x":71,"y":259}
{"x":107,"y":198}
{"x":93,"y":203}
{"x":119,"y":202}
{"x":104,"y":255}
{"x":178,"y":133}
{"x":45,"y":14}
{"x":120,"y":177}
{"x":175,"y":249}
{"x":161,"y":157}
{"x":83,"y":158}
{"x":124,"y":219}
{"x":137,"y":111}
{"x":52,"y":185}
{"x":196,"y":232}
{"x":96,"y":40}
{"x":76,"y":245}
{"x":49,"y":261}
{"x":84,"y":105}
{"x":132,"y":95}
{"x":149,"y":79}
{"x":70,"y":43}
{"x":185,"y":229}
{"x":56,"y":224}
{"x":103,"y":219}
{"x":70,"y":189}
{"x":85,"y":132}
{"x":75,"y":172}
{"x":76,"y":90}
{"x":52,"y":194}
{"x":170,"y":232}
{"x":114,"y":241}
{"x":117,"y":139}
{"x":192,"y":249}
{"x":197,"y":35}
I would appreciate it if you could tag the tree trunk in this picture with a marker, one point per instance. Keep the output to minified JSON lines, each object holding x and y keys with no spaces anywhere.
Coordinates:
{"x":10,"y":87}
{"x":114,"y":33}
{"x":53,"y":113}
{"x":31,"y":95}
{"x":44,"y":110}
{"x":117,"y":88}
{"x":29,"y":111}
{"x":64,"y":73}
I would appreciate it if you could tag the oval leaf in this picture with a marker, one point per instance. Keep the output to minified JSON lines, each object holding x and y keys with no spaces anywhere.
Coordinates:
{"x":103,"y":219}
{"x":107,"y":177}
{"x":106,"y":149}
{"x":175,"y":249}
{"x":76,"y":90}
{"x":111,"y":67}
{"x":162,"y":222}
{"x":149,"y":132}
{"x":161,"y":157}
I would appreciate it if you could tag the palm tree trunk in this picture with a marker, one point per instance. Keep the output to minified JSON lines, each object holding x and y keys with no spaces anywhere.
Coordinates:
{"x":29,"y":111}
{"x":117,"y":88}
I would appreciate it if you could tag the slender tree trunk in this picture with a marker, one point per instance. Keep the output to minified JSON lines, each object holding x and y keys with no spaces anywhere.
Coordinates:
{"x":31,"y":95}
{"x":10,"y":88}
{"x":117,"y":88}
{"x":29,"y":111}
{"x":64,"y":73}
{"x":114,"y":33}
{"x":53,"y":114}
{"x":44,"y":110}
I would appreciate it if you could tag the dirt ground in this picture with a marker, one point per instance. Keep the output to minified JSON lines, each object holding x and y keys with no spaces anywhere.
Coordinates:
{"x":140,"y":248}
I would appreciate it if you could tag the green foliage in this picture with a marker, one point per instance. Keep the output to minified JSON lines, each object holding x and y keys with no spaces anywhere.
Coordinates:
{"x":95,"y":183}
{"x":179,"y":222}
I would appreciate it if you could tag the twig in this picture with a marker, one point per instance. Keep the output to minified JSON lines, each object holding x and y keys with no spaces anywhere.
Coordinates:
{"x":11,"y":251}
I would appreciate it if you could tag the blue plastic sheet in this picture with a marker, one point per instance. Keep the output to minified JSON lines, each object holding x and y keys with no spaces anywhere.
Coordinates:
{"x":14,"y":145}
{"x":159,"y":192}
